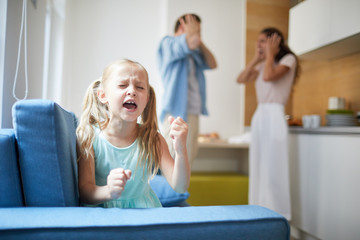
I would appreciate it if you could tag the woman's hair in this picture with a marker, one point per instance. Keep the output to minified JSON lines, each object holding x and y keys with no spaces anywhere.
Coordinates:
{"x":284,"y":48}
{"x":177,"y":24}
{"x":96,"y":114}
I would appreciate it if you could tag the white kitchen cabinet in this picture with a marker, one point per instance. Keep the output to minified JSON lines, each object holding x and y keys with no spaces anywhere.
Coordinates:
{"x":345,"y":19}
{"x":325,"y":29}
{"x":309,"y":25}
{"x":325,"y":178}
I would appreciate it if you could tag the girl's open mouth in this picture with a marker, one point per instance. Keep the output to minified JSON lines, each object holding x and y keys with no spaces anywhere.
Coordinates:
{"x":130,"y":105}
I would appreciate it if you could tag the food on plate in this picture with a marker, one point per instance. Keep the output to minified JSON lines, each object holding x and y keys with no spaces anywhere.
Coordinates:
{"x":208,"y":137}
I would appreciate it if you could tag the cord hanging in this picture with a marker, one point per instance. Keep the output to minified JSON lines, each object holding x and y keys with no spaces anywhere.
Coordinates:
{"x":23,"y":25}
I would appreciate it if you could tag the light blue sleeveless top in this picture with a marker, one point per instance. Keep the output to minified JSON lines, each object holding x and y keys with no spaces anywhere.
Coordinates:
{"x":137,"y":192}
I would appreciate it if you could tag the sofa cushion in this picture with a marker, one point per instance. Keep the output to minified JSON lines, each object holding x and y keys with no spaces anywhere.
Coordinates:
{"x":167,"y":196}
{"x":10,"y":184}
{"x":46,"y":138}
{"x":209,"y":222}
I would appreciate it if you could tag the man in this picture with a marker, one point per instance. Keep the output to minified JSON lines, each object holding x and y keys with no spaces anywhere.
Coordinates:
{"x":182,"y":59}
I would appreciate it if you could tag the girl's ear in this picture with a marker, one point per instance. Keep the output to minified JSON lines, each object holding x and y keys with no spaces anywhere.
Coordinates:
{"x":102,"y":96}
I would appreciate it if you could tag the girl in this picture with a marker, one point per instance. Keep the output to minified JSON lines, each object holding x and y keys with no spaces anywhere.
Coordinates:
{"x":274,"y":68}
{"x":118,"y":156}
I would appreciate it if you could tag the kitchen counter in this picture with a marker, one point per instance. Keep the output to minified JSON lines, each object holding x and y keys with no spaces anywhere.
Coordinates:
{"x":223,"y":144}
{"x":325,"y":130}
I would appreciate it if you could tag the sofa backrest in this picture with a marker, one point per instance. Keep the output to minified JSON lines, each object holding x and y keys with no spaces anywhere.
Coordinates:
{"x":46,"y":139}
{"x":10,"y":183}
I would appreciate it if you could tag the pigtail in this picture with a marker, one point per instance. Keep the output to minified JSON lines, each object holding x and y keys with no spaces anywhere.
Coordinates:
{"x":150,"y":152}
{"x":94,"y":113}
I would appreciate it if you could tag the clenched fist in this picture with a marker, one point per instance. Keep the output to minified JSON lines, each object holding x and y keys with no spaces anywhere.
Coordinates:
{"x":116,"y":181}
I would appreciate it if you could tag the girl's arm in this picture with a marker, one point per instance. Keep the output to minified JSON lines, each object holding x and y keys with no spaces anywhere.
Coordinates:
{"x":271,"y":72}
{"x":176,"y":171}
{"x":90,"y":193}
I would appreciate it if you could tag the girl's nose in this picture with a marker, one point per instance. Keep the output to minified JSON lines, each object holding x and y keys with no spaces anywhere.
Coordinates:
{"x":131,"y":92}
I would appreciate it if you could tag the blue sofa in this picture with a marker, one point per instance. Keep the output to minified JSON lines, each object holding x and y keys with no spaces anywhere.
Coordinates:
{"x":39,"y":195}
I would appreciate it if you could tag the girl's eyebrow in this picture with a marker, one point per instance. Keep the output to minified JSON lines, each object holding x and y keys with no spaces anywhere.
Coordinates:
{"x":138,"y":80}
{"x":127,"y":79}
{"x":123,"y":78}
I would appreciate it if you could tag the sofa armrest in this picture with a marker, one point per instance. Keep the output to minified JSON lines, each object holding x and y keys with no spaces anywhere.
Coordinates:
{"x":210,"y":222}
{"x":46,"y":139}
{"x":10,"y":183}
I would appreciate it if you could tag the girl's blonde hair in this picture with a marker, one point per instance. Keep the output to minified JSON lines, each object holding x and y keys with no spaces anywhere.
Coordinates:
{"x":96,"y":114}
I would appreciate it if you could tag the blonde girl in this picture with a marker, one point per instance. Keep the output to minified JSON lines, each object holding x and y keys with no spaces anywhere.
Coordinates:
{"x":118,"y":151}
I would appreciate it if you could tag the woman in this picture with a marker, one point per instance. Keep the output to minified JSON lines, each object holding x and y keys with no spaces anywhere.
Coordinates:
{"x":274,"y":68}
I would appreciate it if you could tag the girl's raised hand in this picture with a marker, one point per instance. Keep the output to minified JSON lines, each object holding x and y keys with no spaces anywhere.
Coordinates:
{"x":116,"y":181}
{"x":178,"y":132}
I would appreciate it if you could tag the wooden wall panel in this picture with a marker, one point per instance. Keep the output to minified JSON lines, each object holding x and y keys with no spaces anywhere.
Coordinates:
{"x":323,"y":79}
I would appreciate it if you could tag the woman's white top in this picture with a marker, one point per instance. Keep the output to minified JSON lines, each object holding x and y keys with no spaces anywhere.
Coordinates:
{"x":276,"y":91}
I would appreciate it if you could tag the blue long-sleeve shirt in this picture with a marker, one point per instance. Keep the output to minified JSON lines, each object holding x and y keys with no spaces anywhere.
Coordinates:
{"x":173,"y":63}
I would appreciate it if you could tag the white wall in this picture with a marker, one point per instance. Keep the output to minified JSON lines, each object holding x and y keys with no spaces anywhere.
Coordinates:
{"x":54,"y":50}
{"x":99,"y":32}
{"x":35,"y":42}
{"x":3,"y":15}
